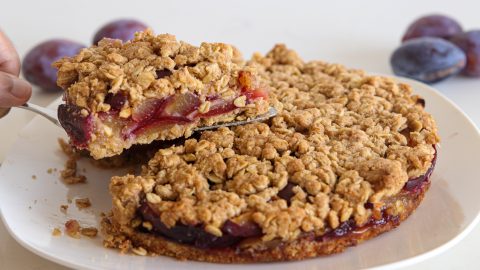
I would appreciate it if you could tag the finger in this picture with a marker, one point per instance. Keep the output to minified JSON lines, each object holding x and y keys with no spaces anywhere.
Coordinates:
{"x":9,"y":60}
{"x":13,"y":91}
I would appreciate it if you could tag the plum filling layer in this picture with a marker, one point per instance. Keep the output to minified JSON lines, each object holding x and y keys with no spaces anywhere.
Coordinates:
{"x":234,"y":233}
{"x":77,"y":124}
{"x":176,"y":109}
{"x":154,"y":114}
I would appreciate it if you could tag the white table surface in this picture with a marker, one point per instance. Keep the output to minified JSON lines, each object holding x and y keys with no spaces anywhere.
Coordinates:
{"x":359,"y":34}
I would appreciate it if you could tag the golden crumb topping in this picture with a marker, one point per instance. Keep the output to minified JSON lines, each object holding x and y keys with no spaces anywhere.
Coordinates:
{"x":342,"y":138}
{"x":149,"y":66}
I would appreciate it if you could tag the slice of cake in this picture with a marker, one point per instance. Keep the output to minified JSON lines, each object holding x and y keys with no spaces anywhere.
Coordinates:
{"x":153,"y":88}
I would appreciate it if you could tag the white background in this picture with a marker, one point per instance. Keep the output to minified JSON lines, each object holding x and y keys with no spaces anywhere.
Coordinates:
{"x":360,"y":34}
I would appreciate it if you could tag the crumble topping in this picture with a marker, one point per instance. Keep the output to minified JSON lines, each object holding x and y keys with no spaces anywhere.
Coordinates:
{"x":147,"y":67}
{"x":342,"y":138}
{"x":83,"y":203}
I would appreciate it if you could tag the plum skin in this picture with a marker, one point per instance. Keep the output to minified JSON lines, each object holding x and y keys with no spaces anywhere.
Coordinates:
{"x":123,"y":29}
{"x":434,"y":25}
{"x":116,"y":101}
{"x":427,"y":59}
{"x":469,"y":42}
{"x":79,"y":127}
{"x":196,"y":235}
{"x":37,"y":64}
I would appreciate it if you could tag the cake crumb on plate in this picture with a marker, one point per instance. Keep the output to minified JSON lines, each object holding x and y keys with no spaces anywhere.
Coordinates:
{"x":89,"y":231}
{"x":83,"y":203}
{"x":63,"y":208}
{"x":56,"y":232}
{"x":72,"y":228}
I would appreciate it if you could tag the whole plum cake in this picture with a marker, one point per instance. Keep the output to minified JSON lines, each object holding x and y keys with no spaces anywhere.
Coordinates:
{"x":349,"y":156}
{"x":152,"y":88}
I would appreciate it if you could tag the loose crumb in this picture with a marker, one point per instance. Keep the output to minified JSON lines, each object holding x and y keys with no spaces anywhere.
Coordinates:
{"x":50,"y":171}
{"x":83,"y":203}
{"x":63,"y":208}
{"x":72,"y":228}
{"x":34,"y":177}
{"x":66,"y":147}
{"x":89,"y":231}
{"x":69,"y":175}
{"x":140,"y":251}
{"x":56,"y":232}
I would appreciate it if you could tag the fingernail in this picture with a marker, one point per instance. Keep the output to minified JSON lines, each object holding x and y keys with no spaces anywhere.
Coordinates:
{"x":21,"y":89}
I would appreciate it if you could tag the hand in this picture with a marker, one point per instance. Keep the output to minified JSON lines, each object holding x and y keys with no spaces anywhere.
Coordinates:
{"x":13,"y":90}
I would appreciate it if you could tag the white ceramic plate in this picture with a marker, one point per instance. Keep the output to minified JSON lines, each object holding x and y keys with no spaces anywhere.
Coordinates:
{"x":30,"y":208}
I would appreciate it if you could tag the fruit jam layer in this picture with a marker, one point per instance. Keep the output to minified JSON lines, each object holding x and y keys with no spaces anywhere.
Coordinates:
{"x":152,"y":114}
{"x":180,"y":109}
{"x":234,"y":233}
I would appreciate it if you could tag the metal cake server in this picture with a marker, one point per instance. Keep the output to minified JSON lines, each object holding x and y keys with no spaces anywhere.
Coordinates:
{"x":52,"y":116}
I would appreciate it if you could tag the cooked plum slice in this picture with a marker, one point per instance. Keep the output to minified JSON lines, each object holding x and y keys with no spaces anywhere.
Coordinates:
{"x":177,"y":109}
{"x":196,"y":235}
{"x":146,"y":110}
{"x":116,"y":101}
{"x":182,"y":105}
{"x":77,"y":122}
{"x":163,"y":73}
{"x":287,"y":192}
{"x":247,"y":229}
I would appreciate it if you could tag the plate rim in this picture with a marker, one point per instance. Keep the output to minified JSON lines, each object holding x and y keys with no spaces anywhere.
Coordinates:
{"x":392,"y":265}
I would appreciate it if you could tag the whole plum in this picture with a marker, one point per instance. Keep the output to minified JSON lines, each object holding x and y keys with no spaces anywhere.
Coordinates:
{"x":37,"y":64}
{"x":469,"y":42}
{"x":123,"y":29}
{"x":427,"y":59}
{"x":433,"y":26}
